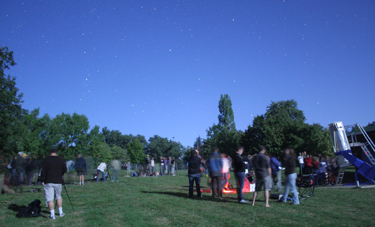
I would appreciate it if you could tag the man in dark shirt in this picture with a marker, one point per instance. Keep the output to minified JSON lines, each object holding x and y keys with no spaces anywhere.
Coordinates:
{"x":263,"y":174}
{"x":81,"y":169}
{"x":239,"y":172}
{"x":53,"y":169}
{"x":194,"y":173}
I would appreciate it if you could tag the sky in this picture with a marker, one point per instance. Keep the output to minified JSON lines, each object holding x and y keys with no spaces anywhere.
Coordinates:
{"x":159,"y":67}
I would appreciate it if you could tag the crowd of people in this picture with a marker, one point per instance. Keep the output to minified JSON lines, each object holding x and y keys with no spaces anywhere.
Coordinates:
{"x":266,"y":168}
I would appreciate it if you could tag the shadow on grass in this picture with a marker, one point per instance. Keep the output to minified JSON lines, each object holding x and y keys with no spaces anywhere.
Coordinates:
{"x":17,"y":208}
{"x":206,"y":197}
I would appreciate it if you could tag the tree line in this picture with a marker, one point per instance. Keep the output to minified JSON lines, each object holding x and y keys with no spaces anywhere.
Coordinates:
{"x":24,"y":130}
{"x":282,"y":125}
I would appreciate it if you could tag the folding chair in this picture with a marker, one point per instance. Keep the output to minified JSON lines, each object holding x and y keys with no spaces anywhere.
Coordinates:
{"x":306,"y":187}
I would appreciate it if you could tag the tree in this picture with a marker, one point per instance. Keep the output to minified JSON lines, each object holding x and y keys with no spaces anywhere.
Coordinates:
{"x":280,"y":127}
{"x":71,"y":133}
{"x":10,"y":107}
{"x":94,"y":138}
{"x":316,"y":140}
{"x":119,"y":153}
{"x":223,"y":135}
{"x":33,"y":128}
{"x":136,"y":151}
{"x":283,"y":125}
{"x":158,"y":146}
{"x":102,"y":153}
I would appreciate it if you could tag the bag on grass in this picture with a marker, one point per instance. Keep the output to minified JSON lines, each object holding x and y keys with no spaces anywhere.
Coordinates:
{"x":33,"y":210}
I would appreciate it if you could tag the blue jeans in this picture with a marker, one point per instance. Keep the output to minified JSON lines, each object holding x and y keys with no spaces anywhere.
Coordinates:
{"x":114,"y":173}
{"x":290,"y":184}
{"x":197,"y":179}
{"x":240,"y":179}
{"x":278,"y":178}
{"x":103,"y":174}
{"x":301,"y":166}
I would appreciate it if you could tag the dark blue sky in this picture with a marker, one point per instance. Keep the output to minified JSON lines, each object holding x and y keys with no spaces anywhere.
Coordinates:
{"x":159,"y":67}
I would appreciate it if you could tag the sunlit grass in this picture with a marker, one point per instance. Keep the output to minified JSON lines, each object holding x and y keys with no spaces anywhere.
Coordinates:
{"x":163,"y":201}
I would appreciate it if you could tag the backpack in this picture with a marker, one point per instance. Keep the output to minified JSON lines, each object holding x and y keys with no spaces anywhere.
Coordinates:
{"x":33,"y":210}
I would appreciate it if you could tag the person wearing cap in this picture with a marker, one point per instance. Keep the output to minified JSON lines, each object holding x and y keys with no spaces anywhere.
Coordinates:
{"x":53,"y":169}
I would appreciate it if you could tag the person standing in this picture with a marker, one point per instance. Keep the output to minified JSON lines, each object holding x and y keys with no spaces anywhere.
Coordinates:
{"x":161,"y":166}
{"x":173,"y":165}
{"x":225,"y":170}
{"x":102,"y":166}
{"x":263,"y":175}
{"x":301,"y":164}
{"x":215,"y":166}
{"x":116,"y":166}
{"x":291,"y":176}
{"x":194,"y":173}
{"x":169,"y":165}
{"x":308,"y":164}
{"x":13,"y":170}
{"x":276,"y":173}
{"x":30,"y":170}
{"x":81,"y":168}
{"x":239,"y":172}
{"x":165,"y":165}
{"x":152,"y":165}
{"x":53,"y":169}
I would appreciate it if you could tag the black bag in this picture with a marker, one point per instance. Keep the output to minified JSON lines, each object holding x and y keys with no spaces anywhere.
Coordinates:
{"x":33,"y":210}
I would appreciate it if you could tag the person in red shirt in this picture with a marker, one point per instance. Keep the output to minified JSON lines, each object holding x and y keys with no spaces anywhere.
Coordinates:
{"x":308,"y":164}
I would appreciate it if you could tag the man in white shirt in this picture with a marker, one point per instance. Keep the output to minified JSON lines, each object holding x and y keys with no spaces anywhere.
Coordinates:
{"x":101,"y":169}
{"x":301,"y":163}
{"x":152,"y":165}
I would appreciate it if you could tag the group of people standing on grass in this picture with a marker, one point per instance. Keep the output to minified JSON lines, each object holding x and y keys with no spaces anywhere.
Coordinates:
{"x":319,"y":165}
{"x":23,"y":169}
{"x":265,"y":168}
{"x":167,"y":166}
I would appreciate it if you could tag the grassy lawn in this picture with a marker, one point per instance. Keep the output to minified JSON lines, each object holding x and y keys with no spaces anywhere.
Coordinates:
{"x":163,"y":201}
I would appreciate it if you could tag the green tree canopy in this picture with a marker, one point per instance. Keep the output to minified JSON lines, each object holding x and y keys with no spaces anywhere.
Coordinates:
{"x":223,"y":135}
{"x":136,"y":151}
{"x":11,"y":112}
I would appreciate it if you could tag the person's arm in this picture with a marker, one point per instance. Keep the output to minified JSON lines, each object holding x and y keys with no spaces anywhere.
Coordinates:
{"x":65,"y":169}
{"x":42,"y":176}
{"x":269,"y":171}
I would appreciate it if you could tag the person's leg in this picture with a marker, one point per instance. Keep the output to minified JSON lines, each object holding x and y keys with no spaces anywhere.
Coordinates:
{"x":97,"y":175}
{"x":58,"y":189}
{"x":214,"y":186}
{"x":293,"y":188}
{"x":258,"y":187}
{"x":286,"y":190}
{"x":236,"y":175}
{"x":242,"y":183}
{"x":254,"y":197}
{"x":49,"y":194}
{"x":279,"y":185}
{"x":191,"y":185}
{"x":267,"y":197}
{"x":198,"y":184}
{"x":103,"y":174}
{"x":219,"y":188}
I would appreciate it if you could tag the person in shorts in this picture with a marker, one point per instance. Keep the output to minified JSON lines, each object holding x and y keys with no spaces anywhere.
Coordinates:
{"x":263,"y":175}
{"x":53,"y":169}
{"x":81,"y":169}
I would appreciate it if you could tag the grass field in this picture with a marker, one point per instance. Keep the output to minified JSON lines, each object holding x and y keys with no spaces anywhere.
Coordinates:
{"x":163,"y":201}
